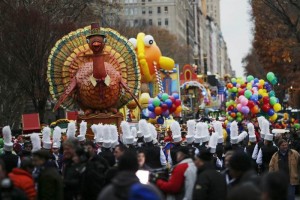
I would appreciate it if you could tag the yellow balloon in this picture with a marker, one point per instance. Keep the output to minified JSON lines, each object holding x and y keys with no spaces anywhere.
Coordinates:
{"x":277,"y":107}
{"x":273,"y":117}
{"x":261,"y":81}
{"x":265,"y":95}
{"x":260,"y":91}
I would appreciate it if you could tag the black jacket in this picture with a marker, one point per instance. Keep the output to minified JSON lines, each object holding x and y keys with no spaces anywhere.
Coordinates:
{"x":210,"y":184}
{"x":10,"y":160}
{"x":120,"y":186}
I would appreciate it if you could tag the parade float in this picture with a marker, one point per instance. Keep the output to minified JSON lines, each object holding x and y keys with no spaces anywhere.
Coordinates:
{"x":158,"y":75}
{"x":96,"y":70}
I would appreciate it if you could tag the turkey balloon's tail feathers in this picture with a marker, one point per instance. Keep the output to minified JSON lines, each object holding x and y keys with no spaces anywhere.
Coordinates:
{"x":67,"y":92}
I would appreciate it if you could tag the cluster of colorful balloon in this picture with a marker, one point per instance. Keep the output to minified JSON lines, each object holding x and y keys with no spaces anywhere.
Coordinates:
{"x":252,"y":98}
{"x":163,"y":105}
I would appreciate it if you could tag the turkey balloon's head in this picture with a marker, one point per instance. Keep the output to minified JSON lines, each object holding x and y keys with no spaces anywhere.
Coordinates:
{"x":96,"y":43}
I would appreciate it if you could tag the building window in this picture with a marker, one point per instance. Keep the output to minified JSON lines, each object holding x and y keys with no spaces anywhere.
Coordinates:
{"x":166,"y":22}
{"x":166,"y":9}
{"x":143,"y":10}
{"x":150,"y":22}
{"x":144,"y":22}
{"x":149,"y":0}
{"x":159,"y":22}
{"x":150,"y":10}
{"x":143,"y":2}
{"x":136,"y":22}
{"x":158,"y":10}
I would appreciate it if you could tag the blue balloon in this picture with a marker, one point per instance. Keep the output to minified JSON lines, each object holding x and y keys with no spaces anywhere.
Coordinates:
{"x":145,"y":112}
{"x":256,"y":80}
{"x":169,"y":103}
{"x":175,"y":95}
{"x":160,"y":120}
{"x":234,"y":84}
{"x":254,"y":97}
{"x":159,"y":95}
{"x":151,"y":107}
{"x":259,"y":97}
{"x":271,"y":112}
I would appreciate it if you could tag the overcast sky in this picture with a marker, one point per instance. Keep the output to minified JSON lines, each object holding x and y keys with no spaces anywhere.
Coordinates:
{"x":236,"y":29}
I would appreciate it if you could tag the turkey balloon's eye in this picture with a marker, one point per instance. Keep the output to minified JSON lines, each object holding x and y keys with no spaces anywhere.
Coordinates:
{"x":87,"y":40}
{"x":148,"y":40}
{"x":133,"y":41}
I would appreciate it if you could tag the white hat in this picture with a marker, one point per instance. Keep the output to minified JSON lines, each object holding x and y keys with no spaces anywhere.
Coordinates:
{"x":279,"y":131}
{"x":46,"y":138}
{"x":144,"y":128}
{"x":133,"y":131}
{"x":234,"y":132}
{"x":98,"y":128}
{"x":260,"y":124}
{"x":213,"y":141}
{"x":106,"y":137}
{"x":197,"y":136}
{"x":71,"y":130}
{"x":139,"y":134}
{"x":36,"y":142}
{"x":126,"y":136}
{"x":55,"y":145}
{"x":190,"y":139}
{"x":113,"y":136}
{"x":56,"y":137}
{"x":191,"y":129}
{"x":82,"y":131}
{"x":153,"y":133}
{"x":204,"y":132}
{"x":8,"y":145}
{"x":176,"y":133}
{"x":252,"y":137}
{"x":219,"y":129}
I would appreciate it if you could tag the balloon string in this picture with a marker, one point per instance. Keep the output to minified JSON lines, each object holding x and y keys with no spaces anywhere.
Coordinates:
{"x":158,"y":78}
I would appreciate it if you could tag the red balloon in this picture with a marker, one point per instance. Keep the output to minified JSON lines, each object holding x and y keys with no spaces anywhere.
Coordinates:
{"x":266,"y":107}
{"x":177,"y":102}
{"x":157,"y":110}
{"x":241,"y":92}
{"x":244,"y":85}
{"x":251,"y":104}
{"x":172,"y":109}
{"x":172,"y":98}
{"x":266,"y":100}
{"x":164,"y":107}
{"x":230,"y":108}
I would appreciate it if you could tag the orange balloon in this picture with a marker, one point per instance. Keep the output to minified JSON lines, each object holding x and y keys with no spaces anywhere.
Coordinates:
{"x":157,"y":110}
{"x":254,"y":109}
{"x":233,"y":115}
{"x":229,"y":85}
{"x":178,"y":110}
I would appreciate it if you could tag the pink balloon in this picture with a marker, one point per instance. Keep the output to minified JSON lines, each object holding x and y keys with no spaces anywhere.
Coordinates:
{"x":245,"y":110}
{"x":244,"y":102}
{"x":239,"y":107}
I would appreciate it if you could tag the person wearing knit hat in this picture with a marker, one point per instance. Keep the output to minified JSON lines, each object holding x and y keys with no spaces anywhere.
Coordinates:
{"x":106,"y":152}
{"x":267,"y":150}
{"x":210,"y":184}
{"x":82,"y":132}
{"x":155,"y":158}
{"x":46,"y":140}
{"x":11,"y":160}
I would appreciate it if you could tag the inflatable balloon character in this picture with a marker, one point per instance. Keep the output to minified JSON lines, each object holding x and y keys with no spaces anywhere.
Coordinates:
{"x":149,"y":57}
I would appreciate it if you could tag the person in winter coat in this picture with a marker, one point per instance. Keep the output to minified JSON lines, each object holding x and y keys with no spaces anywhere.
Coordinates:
{"x":22,"y":178}
{"x":50,"y":184}
{"x":125,"y":178}
{"x":288,"y":161}
{"x":181,"y":182}
{"x":210,"y":184}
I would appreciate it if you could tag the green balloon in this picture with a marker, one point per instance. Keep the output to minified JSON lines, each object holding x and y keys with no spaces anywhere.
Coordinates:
{"x":273,"y":100}
{"x":233,"y":80}
{"x":164,"y":96}
{"x":156,"y":102}
{"x":250,"y":78}
{"x":248,"y":94}
{"x":272,"y":93}
{"x":230,"y":119}
{"x":274,"y":81}
{"x":234,"y":89}
{"x":228,"y":104}
{"x":238,"y":114}
{"x":270,"y":76}
{"x":239,"y":119}
{"x":1,"y":142}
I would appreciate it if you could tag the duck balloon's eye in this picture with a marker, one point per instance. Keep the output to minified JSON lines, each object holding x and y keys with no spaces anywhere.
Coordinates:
{"x":148,"y":40}
{"x":133,"y":41}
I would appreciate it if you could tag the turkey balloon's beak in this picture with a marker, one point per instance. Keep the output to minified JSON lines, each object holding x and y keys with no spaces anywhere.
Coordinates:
{"x":166,"y":63}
